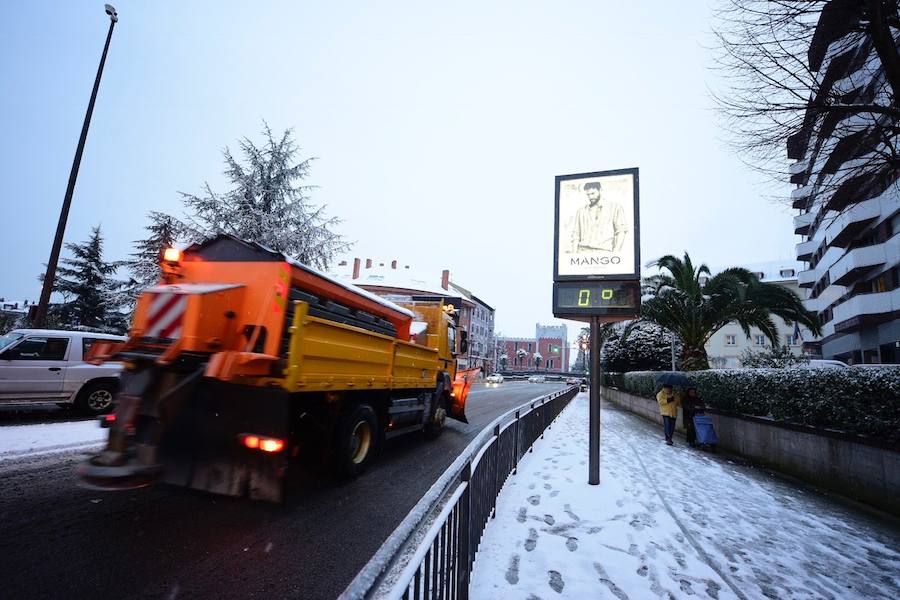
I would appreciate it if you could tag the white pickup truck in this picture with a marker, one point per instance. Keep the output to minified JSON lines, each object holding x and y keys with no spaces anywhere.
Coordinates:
{"x":46,"y":365}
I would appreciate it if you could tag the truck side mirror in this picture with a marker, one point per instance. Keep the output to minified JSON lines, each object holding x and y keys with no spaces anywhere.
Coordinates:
{"x":463,"y":341}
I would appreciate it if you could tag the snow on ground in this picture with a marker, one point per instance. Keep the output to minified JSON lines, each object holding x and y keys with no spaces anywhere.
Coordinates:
{"x":671,"y":522}
{"x":19,"y":441}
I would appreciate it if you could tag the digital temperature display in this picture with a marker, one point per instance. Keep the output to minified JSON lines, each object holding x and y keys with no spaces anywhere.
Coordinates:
{"x":600,"y":298}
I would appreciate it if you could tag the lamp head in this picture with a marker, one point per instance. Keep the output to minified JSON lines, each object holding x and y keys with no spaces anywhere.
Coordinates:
{"x":111,"y":11}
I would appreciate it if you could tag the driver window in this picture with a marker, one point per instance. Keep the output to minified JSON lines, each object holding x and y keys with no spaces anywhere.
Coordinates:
{"x":40,"y":348}
{"x":451,"y":338}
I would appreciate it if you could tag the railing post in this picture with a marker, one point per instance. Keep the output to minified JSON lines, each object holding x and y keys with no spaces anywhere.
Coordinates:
{"x":465,"y":528}
{"x":496,"y":491}
{"x":516,"y":446}
{"x":531,"y":447}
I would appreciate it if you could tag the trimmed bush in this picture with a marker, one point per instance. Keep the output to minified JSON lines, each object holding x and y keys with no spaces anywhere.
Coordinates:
{"x":861,"y":401}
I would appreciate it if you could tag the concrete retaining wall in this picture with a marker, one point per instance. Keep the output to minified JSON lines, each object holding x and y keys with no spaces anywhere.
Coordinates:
{"x":831,"y":461}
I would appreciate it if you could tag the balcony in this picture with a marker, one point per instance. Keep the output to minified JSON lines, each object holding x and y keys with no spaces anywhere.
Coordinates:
{"x":800,"y":196}
{"x":805,"y":250}
{"x":802,"y":222}
{"x":807,"y":279}
{"x":866,"y":310}
{"x":847,"y":226}
{"x":798,"y":172}
{"x":857,"y":262}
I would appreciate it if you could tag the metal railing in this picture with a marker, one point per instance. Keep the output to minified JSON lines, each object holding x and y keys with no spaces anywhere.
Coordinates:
{"x":441,"y":561}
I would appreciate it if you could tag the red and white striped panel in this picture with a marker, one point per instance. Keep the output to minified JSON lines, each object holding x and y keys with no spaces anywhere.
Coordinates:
{"x":166,"y":315}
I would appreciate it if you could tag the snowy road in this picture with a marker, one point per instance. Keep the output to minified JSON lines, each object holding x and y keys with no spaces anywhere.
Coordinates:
{"x":671,"y":522}
{"x":59,"y":540}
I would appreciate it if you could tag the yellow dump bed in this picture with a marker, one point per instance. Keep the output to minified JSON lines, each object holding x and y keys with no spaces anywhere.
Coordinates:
{"x":330,"y":356}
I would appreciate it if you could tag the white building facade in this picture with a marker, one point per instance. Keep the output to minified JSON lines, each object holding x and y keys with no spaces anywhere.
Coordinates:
{"x":725,"y":347}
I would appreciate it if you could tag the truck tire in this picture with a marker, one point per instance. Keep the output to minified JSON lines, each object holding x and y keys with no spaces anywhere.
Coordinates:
{"x":96,"y":398}
{"x":355,"y":441}
{"x":438,"y":418}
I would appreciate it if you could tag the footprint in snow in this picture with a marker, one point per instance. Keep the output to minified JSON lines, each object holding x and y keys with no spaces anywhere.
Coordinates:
{"x":531,"y":486}
{"x":534,"y":500}
{"x":605,"y":580}
{"x":556,"y":581}
{"x":549,"y":520}
{"x":554,"y":493}
{"x":685,"y":586}
{"x":569,"y":512}
{"x":512,"y":573}
{"x":642,"y":571}
{"x":523,"y":514}
{"x":531,"y":542}
{"x":572,"y":544}
{"x":547,"y":486}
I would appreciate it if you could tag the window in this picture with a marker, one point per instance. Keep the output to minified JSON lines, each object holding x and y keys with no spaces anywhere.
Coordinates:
{"x":790,"y":340}
{"x":730,"y":340}
{"x":40,"y":348}
{"x":86,"y":344}
{"x":759,"y":339}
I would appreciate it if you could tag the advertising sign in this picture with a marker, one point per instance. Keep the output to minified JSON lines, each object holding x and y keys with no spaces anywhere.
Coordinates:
{"x":597,"y":226}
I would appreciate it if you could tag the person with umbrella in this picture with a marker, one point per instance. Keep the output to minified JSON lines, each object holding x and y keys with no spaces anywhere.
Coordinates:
{"x":669,"y":400}
{"x":691,"y":405}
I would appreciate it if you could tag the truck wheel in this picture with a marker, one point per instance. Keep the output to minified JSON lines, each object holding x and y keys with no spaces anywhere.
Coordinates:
{"x":435,"y":424}
{"x":96,"y":398}
{"x":355,"y":442}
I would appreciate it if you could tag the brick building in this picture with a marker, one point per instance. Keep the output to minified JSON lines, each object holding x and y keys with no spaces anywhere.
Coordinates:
{"x":547,"y":351}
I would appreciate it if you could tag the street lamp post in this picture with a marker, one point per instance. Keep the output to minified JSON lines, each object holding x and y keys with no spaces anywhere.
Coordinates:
{"x":50,"y":276}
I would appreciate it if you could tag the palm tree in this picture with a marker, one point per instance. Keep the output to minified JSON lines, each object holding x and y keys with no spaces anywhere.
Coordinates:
{"x":694,"y":311}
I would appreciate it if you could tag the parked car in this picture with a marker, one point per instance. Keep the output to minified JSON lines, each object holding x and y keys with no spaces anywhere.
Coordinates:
{"x":536,"y":379}
{"x":46,"y":365}
{"x":818,"y":363}
{"x":494,"y":379}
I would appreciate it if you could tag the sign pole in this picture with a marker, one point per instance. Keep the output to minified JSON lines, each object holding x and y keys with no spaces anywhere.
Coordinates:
{"x":594,"y":416}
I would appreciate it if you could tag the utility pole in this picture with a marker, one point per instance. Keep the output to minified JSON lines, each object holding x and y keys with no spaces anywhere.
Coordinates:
{"x":594,"y":411}
{"x":49,"y":277}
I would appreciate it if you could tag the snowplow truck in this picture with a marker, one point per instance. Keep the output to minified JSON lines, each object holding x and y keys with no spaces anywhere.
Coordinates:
{"x":242,"y":361}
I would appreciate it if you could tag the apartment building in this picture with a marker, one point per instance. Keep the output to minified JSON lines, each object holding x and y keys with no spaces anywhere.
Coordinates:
{"x":848,"y":216}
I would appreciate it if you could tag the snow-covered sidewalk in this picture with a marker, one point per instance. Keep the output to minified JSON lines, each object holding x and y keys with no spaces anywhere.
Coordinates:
{"x":671,"y":522}
{"x":22,"y":441}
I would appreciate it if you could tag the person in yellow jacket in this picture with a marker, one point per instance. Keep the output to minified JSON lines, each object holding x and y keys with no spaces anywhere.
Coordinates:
{"x":669,"y":401}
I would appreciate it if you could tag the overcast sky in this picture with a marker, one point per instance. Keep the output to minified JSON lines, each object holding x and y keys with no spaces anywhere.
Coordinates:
{"x":438,"y":128}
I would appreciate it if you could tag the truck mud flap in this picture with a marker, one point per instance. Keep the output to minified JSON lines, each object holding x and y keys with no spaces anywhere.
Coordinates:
{"x":201,"y":446}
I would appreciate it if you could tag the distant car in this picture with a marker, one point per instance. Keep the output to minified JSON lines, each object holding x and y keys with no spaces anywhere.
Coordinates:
{"x":536,"y":379}
{"x":818,"y":363}
{"x":572,"y":381}
{"x":494,"y":379}
{"x":47,"y":365}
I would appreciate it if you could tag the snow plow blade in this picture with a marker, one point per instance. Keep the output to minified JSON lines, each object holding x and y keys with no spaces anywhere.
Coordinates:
{"x":461,"y":386}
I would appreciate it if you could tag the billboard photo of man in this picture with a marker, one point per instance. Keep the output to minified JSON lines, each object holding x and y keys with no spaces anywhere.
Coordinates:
{"x":597,"y":224}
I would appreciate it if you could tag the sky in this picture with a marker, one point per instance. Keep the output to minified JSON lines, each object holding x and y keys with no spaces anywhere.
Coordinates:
{"x":437,"y":129}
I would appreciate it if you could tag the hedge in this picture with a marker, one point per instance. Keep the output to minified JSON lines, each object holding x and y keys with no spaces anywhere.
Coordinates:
{"x":861,"y":401}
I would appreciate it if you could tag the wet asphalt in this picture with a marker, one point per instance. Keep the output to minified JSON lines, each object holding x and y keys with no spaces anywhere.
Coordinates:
{"x":61,"y":541}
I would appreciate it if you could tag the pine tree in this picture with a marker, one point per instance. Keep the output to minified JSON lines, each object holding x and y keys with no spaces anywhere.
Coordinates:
{"x":88,"y":284}
{"x":268,"y":203}
{"x":144,"y":266}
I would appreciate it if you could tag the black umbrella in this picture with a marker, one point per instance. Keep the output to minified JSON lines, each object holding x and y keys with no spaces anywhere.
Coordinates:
{"x":674,"y":378}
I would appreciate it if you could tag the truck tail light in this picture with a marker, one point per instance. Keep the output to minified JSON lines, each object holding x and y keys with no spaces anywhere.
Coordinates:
{"x":258,"y":442}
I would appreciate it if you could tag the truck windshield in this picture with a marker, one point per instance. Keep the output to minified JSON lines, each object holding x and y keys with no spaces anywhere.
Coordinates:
{"x":9,"y":339}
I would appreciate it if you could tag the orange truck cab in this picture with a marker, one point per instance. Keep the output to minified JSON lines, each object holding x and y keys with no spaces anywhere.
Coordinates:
{"x":242,"y":361}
